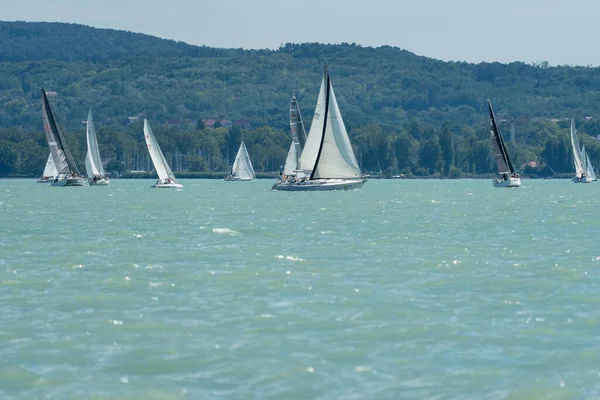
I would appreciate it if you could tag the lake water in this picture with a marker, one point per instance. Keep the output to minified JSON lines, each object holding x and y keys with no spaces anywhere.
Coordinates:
{"x":406,"y":289}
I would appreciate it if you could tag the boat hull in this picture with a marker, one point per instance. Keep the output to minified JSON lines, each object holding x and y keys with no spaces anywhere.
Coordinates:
{"x":68,"y":181}
{"x":510,"y":182}
{"x":233,"y":178}
{"x":583,"y":179}
{"x":168,"y":185}
{"x":320,"y":185}
{"x":99,"y":182}
{"x":45,"y":179}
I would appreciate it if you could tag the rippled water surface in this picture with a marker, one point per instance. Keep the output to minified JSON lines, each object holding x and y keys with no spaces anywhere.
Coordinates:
{"x":401,"y":290}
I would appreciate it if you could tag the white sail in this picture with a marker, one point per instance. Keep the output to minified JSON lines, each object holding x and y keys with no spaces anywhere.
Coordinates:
{"x":336,"y":158}
{"x":588,"y":164}
{"x":242,"y":167}
{"x":93,"y":163}
{"x":50,"y":168}
{"x":291,"y":160}
{"x":315,"y":134}
{"x":579,"y":170}
{"x":158,"y":159}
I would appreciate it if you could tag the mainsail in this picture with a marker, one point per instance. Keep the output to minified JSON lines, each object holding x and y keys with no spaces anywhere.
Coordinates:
{"x":335,"y":158}
{"x":242,"y":167}
{"x":158,"y":159}
{"x":93,"y":163}
{"x":50,"y":168}
{"x":63,"y":159}
{"x":313,"y":140}
{"x":502,"y":159}
{"x":578,"y":160}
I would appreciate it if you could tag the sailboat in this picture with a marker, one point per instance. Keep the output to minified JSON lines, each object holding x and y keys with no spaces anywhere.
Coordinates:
{"x":242,"y":167}
{"x":589,"y":169}
{"x":327,"y":161}
{"x":49,"y":171}
{"x":507,"y":177}
{"x":166,"y":179}
{"x":68,"y":173}
{"x":581,"y":174}
{"x":93,"y":163}
{"x":292,"y":160}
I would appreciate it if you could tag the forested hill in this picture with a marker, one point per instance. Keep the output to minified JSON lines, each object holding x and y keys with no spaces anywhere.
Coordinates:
{"x":430,"y":114}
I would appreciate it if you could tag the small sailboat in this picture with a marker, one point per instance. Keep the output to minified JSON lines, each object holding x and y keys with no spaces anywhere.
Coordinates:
{"x":589,"y":169}
{"x":242,"y":167}
{"x":581,"y":173}
{"x":166,"y":179}
{"x":327,"y":161}
{"x":93,"y":163}
{"x":49,"y":171}
{"x":68,"y":173}
{"x":507,"y":176}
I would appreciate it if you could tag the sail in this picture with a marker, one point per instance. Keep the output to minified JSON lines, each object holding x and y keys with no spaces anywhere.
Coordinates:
{"x":313,"y":140}
{"x":50,"y":168}
{"x":93,"y":163}
{"x":502,"y":159}
{"x":291,"y":161}
{"x":63,"y":159}
{"x":158,"y":159}
{"x":242,"y":167}
{"x":589,"y":170}
{"x":579,"y":170}
{"x":336,"y":158}
{"x":297,"y":126}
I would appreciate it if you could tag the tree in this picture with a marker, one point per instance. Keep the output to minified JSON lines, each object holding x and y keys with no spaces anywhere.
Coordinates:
{"x":200,"y":124}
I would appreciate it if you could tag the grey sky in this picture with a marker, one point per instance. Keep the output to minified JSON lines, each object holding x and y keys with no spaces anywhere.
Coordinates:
{"x":557,"y":31}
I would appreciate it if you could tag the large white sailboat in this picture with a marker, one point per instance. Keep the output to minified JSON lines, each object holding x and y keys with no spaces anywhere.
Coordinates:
{"x":507,"y":176}
{"x":327,"y":161}
{"x":581,"y":172}
{"x":93,"y":164}
{"x":49,"y":171}
{"x":68,"y":173}
{"x":242,"y":167}
{"x":166,"y":179}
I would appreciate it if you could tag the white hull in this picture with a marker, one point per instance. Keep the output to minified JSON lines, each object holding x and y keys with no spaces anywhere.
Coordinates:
{"x":168,"y":185}
{"x":234,"y":178}
{"x":511,"y":182}
{"x":320,"y":185}
{"x":45,"y":179}
{"x":583,"y":179}
{"x":68,"y":181}
{"x":99,"y":182}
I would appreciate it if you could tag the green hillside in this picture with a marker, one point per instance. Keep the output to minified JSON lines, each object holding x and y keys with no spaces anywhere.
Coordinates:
{"x":432,"y":113}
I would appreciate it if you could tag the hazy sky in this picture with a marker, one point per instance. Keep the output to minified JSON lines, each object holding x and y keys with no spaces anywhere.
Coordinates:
{"x":557,"y":31}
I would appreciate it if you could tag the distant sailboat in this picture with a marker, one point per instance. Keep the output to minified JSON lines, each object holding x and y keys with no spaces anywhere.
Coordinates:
{"x":166,"y":179}
{"x":68,"y":173}
{"x":589,"y":169}
{"x":327,"y":157}
{"x":507,"y":176}
{"x":93,"y":163}
{"x":581,"y":173}
{"x":242,"y":167}
{"x":292,"y":160}
{"x":49,"y":171}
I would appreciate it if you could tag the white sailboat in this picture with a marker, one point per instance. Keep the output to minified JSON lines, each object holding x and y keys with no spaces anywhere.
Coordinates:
{"x":292,"y":161}
{"x":68,"y":173}
{"x":93,"y":163}
{"x":166,"y":179}
{"x":507,"y":176}
{"x":242,"y":167}
{"x":589,"y":169}
{"x":49,"y":171}
{"x":581,"y":174}
{"x":327,"y":158}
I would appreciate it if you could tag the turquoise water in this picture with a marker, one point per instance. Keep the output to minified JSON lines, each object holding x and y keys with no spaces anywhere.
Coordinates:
{"x":404,"y":289}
